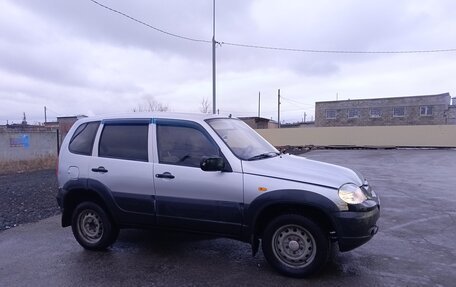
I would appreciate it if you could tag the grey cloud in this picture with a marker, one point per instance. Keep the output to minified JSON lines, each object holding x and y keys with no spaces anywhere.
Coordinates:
{"x":188,"y":18}
{"x":54,"y":49}
{"x":39,"y":64}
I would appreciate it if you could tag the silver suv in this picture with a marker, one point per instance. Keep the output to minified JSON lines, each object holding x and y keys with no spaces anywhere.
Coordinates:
{"x":211,"y":174}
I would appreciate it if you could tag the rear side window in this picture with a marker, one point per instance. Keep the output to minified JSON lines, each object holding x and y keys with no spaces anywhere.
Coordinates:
{"x":83,"y":138}
{"x":124,"y":141}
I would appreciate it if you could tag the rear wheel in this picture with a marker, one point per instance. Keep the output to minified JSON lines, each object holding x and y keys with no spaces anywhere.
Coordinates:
{"x":92,"y":227}
{"x":295,"y":245}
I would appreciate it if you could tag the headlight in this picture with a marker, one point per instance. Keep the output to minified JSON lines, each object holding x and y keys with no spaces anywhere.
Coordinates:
{"x":351,"y":193}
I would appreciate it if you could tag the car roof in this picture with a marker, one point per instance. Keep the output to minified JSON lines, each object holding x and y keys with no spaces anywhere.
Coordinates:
{"x":154,"y":115}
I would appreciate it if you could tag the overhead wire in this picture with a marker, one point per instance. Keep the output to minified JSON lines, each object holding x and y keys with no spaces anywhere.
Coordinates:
{"x":336,"y":51}
{"x":148,"y":25}
{"x":251,"y":46}
{"x":54,"y":112}
{"x":294,"y":101}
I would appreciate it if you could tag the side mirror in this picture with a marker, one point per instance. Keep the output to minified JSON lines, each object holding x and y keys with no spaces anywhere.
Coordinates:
{"x":212,"y":164}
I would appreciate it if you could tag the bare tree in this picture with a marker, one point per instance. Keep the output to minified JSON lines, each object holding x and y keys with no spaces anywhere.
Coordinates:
{"x":205,"y":107}
{"x":151,"y":105}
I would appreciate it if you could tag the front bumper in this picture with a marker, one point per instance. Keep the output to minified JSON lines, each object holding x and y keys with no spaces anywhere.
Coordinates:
{"x":354,"y":228}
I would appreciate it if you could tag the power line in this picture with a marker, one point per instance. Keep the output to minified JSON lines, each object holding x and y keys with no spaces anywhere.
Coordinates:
{"x":148,"y":25}
{"x":337,"y":51}
{"x":56,"y":113}
{"x":251,"y":46}
{"x":296,"y":102}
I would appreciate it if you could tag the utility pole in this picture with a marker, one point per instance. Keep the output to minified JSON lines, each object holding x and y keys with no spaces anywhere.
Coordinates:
{"x":305,"y":116}
{"x":259,"y":103}
{"x":214,"y":108}
{"x":45,"y":116}
{"x":278,"y":108}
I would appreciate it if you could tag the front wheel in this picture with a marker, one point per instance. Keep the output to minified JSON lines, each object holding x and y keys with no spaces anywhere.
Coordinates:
{"x":92,"y":227}
{"x":295,"y":245}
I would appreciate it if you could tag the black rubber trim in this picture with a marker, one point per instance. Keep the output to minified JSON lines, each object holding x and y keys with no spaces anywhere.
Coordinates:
{"x":140,"y":121}
{"x":229,"y":229}
{"x":200,"y":209}
{"x":122,"y":217}
{"x":137,"y":203}
{"x":137,"y":210}
{"x":300,"y":198}
{"x":353,"y":229}
{"x":367,"y":205}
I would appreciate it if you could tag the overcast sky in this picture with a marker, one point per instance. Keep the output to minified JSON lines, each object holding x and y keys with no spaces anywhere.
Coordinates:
{"x":75,"y":57}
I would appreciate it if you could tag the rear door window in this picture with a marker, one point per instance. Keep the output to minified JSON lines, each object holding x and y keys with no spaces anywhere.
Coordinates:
{"x":83,"y":138}
{"x":124,"y":141}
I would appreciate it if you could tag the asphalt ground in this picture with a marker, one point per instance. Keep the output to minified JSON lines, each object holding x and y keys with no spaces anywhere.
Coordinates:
{"x":415,"y":246}
{"x":27,"y":197}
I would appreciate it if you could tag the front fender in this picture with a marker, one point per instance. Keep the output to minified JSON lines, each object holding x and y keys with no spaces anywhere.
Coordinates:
{"x":288,"y":200}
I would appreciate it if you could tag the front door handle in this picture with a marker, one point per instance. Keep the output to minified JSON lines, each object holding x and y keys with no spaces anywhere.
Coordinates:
{"x":164,"y":175}
{"x":99,"y":169}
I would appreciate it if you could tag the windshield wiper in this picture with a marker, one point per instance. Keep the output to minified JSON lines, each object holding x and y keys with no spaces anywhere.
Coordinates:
{"x":264,"y":155}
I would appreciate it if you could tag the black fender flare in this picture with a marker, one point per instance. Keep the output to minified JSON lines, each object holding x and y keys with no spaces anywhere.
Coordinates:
{"x":287,"y":197}
{"x":89,"y":187}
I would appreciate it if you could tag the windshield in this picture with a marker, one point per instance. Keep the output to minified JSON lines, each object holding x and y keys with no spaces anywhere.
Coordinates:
{"x":243,"y":141}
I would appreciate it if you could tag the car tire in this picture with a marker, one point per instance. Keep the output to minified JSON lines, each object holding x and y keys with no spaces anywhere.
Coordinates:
{"x":92,"y":227}
{"x":295,"y":245}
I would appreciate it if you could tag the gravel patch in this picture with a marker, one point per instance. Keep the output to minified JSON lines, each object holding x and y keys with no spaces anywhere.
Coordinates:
{"x":27,"y":197}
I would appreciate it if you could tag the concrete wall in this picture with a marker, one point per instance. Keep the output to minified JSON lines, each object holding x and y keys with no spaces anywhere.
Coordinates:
{"x":379,"y":136}
{"x":27,"y":145}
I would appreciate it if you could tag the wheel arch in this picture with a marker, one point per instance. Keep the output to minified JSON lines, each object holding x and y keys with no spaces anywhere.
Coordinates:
{"x":275,"y":203}
{"x":76,"y":193}
{"x":307,"y":210}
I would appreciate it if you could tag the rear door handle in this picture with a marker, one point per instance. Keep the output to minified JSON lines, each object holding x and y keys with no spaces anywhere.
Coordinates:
{"x":99,"y":169}
{"x":164,"y":175}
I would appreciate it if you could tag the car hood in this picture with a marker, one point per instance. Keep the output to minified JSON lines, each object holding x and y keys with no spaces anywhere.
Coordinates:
{"x":295,"y":168}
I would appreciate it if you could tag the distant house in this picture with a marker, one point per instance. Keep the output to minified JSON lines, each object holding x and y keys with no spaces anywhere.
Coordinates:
{"x":259,"y":123}
{"x":51,"y":124}
{"x":298,"y":125}
{"x":413,"y":110}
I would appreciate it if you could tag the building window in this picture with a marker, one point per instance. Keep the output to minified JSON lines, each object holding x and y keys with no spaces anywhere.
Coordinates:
{"x":398,"y":112}
{"x":375,"y":112}
{"x":331,"y":114}
{"x":353,"y":113}
{"x":425,"y":111}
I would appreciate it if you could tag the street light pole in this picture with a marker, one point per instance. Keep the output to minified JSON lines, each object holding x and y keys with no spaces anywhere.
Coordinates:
{"x":214,"y":108}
